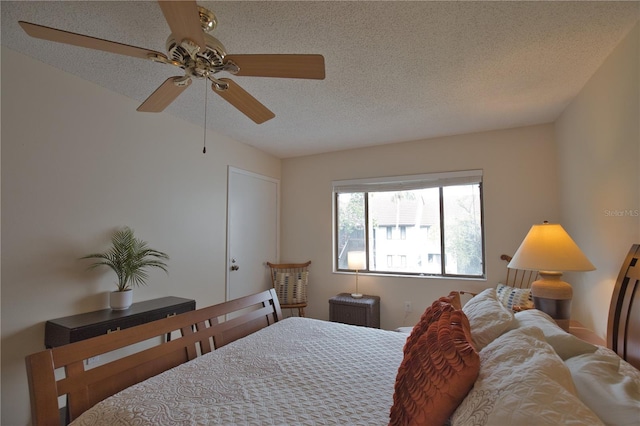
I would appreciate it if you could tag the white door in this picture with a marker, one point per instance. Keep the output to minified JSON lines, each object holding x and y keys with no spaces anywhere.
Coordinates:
{"x":252,"y":231}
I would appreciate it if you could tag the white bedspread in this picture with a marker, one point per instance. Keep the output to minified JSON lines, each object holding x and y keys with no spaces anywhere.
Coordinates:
{"x":341,"y":375}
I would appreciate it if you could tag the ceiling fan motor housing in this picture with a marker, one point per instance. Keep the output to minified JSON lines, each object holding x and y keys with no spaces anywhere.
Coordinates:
{"x":208,"y":61}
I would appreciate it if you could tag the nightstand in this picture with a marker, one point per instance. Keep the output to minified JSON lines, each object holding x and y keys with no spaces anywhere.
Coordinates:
{"x":583,"y":333}
{"x":364,"y":311}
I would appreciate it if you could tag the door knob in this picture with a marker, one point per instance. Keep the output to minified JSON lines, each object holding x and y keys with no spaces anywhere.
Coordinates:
{"x":234,"y":267}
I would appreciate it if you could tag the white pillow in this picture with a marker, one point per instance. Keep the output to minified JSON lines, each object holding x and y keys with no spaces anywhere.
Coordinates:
{"x":522,"y":382}
{"x":511,"y":296}
{"x":566,"y":345}
{"x":488,"y":318}
{"x":612,"y":394}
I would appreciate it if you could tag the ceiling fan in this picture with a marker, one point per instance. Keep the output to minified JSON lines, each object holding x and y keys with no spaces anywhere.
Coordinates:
{"x":200,"y":55}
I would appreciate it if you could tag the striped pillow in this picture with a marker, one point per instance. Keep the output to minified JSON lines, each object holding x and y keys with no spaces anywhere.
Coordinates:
{"x":511,"y":296}
{"x":291,"y":287}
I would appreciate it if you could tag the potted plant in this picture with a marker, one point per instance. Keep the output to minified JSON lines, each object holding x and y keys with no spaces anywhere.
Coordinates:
{"x":129,"y":257}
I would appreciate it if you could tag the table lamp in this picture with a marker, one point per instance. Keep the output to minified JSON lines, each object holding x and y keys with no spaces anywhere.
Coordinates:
{"x":356,"y":260}
{"x":548,"y":249}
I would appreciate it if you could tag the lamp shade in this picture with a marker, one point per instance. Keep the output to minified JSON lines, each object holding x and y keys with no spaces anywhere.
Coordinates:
{"x":548,"y":247}
{"x":356,"y":260}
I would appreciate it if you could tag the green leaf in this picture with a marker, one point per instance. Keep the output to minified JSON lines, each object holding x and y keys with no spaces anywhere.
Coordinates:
{"x":129,"y":257}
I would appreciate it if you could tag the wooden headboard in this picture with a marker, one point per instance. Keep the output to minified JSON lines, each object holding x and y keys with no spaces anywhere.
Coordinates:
{"x":623,"y":329}
{"x":202,"y":331}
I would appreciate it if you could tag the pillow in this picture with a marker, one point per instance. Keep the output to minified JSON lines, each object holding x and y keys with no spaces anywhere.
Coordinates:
{"x":432,"y":313}
{"x":611,"y":394}
{"x":522,"y":382}
{"x":454,"y":296}
{"x":488,"y":318}
{"x":436,"y":372}
{"x":511,"y":296}
{"x":291,"y":287}
{"x":566,"y":345}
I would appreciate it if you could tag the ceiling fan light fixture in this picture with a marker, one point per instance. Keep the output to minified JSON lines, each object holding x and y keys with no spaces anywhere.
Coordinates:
{"x":219,"y":85}
{"x":182,"y":81}
{"x":230,"y":67}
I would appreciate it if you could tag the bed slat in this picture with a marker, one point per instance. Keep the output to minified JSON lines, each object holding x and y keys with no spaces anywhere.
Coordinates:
{"x":84,"y":388}
{"x":42,"y":386}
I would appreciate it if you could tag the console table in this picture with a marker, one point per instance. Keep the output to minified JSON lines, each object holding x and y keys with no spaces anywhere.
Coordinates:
{"x":364,"y":311}
{"x":62,"y":331}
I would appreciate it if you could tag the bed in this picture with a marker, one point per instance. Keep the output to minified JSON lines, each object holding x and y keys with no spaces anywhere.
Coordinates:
{"x":239,"y":363}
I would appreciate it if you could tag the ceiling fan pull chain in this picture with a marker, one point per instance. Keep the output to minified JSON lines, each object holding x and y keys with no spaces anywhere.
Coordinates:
{"x":204,"y":148}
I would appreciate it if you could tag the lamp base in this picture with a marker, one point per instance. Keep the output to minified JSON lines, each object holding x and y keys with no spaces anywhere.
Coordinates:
{"x":559,"y":310}
{"x":553,"y":296}
{"x":356,"y":295}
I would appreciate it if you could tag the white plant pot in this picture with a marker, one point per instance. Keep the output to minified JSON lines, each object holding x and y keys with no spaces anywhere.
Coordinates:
{"x":121,"y":300}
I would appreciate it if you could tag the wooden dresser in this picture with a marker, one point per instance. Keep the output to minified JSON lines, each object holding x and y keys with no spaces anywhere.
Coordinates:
{"x":62,"y":331}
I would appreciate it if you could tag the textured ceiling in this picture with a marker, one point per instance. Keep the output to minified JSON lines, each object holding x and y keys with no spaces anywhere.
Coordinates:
{"x":396,"y":71}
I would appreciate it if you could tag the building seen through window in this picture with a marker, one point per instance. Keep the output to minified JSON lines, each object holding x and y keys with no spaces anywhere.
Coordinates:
{"x":424,"y":225}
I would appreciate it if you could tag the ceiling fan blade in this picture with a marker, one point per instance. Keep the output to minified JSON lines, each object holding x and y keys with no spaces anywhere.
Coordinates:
{"x":279,"y":65}
{"x":183,"y":20}
{"x":60,"y":36}
{"x":243,"y":101}
{"x":165,"y":94}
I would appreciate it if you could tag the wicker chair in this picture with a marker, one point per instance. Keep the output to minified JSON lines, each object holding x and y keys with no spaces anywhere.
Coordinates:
{"x":290,"y":281}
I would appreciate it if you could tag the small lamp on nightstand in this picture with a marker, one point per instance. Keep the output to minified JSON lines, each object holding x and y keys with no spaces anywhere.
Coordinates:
{"x":548,"y":249}
{"x":356,"y":261}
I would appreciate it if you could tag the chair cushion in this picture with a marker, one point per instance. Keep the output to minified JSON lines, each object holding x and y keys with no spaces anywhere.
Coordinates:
{"x":291,"y":287}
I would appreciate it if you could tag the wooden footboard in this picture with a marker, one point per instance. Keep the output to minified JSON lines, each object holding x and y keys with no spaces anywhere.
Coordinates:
{"x":202,"y":331}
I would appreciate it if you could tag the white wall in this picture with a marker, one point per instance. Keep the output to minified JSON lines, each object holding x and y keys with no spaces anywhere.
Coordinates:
{"x":78,"y":161}
{"x":518,"y":191}
{"x":598,"y":139}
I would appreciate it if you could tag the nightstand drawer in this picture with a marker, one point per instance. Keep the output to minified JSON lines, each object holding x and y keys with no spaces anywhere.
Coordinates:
{"x":79,"y":327}
{"x":364,"y":311}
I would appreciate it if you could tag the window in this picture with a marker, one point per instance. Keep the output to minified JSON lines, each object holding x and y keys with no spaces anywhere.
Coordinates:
{"x":425,"y":225}
{"x":396,"y":232}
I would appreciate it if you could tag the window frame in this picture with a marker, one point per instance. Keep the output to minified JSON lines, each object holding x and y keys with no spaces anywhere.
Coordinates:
{"x":408,"y":182}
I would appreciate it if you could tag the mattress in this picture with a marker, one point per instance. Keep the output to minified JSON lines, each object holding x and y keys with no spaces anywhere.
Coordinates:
{"x":298,"y":371}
